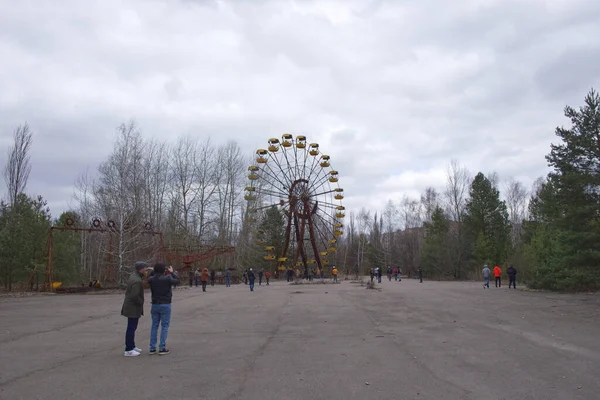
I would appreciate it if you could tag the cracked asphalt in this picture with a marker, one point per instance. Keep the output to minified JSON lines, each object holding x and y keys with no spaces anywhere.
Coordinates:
{"x":435,"y":340}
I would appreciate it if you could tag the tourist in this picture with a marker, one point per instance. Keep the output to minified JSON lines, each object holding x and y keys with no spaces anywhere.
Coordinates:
{"x":399,"y":274}
{"x":212,"y":277}
{"x":197,"y":276}
{"x":251,"y":278}
{"x":512,"y":276}
{"x":498,"y":276}
{"x":420,"y":271}
{"x":133,"y":308}
{"x":334,"y":272}
{"x":267,"y":277}
{"x":161,"y":284}
{"x":260,"y":276}
{"x":395,"y":273}
{"x":227,"y":278}
{"x":486,"y":276}
{"x":379,"y":273}
{"x":372,"y":274}
{"x":389,"y":273}
{"x":204,"y":279}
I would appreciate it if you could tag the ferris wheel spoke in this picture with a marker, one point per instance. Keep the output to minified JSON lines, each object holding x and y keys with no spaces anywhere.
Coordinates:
{"x":316,"y":164}
{"x":274,"y":176}
{"x":287,"y":160}
{"x":321,"y":182}
{"x":283,"y":173}
{"x":322,"y":193}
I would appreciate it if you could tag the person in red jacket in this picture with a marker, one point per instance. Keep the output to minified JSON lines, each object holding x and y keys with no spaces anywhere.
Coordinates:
{"x":498,"y":274}
{"x":267,"y":277}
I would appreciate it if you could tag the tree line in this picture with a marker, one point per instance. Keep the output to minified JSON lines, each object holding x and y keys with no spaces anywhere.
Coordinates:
{"x":191,"y":192}
{"x":550,"y":232}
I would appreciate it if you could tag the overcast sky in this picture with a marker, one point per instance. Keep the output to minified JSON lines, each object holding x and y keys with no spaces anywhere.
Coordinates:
{"x":392,"y":90}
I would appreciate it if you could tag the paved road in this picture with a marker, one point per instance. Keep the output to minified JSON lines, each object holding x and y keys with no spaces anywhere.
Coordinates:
{"x":408,"y":341}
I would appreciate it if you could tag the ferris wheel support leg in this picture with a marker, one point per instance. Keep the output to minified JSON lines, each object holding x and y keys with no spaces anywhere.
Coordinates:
{"x":301,"y":245}
{"x":311,"y":232}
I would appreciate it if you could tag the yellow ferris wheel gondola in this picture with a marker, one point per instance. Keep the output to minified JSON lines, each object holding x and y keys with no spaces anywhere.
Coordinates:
{"x":334,"y":176}
{"x":300,"y":142}
{"x":325,"y":161}
{"x":261,"y":153}
{"x":314,"y":149}
{"x":287,"y":140}
{"x":339,"y":194}
{"x":273,"y":145}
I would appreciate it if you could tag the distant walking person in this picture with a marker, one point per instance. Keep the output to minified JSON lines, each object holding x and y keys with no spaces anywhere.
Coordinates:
{"x":133,"y":308}
{"x":227,"y":278}
{"x":486,"y":276}
{"x":498,"y":276}
{"x":212,"y":277}
{"x":260,"y":276}
{"x":197,"y":276}
{"x":389,"y":273}
{"x":251,"y":278}
{"x":396,"y":273}
{"x":512,"y":276}
{"x":204,"y":279}
{"x":379,"y":273}
{"x":372,"y":274}
{"x":399,"y":274}
{"x":161,"y":285}
{"x":334,"y":272}
{"x":420,"y":271}
{"x":267,"y":277}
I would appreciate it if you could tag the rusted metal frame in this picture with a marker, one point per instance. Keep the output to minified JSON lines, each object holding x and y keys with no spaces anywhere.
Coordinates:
{"x":312,"y":236}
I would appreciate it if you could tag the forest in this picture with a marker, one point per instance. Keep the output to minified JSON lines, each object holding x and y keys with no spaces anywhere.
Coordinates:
{"x":191,"y":192}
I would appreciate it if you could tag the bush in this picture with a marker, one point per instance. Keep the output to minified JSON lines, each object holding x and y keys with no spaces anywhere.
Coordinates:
{"x":565,"y":280}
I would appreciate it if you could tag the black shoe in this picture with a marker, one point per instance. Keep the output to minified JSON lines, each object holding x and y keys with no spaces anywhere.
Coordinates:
{"x":164,"y":351}
{"x":152,"y":352}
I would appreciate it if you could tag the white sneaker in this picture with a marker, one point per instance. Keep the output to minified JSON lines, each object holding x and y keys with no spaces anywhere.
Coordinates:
{"x":131,"y":353}
{"x":137,"y":349}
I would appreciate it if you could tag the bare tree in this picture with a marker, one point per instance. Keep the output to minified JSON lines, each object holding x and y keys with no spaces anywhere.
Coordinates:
{"x":494,"y":179}
{"x":18,"y":167}
{"x":185,"y":158}
{"x":118,"y":195}
{"x":516,"y":200}
{"x":429,"y":201}
{"x":457,"y":190}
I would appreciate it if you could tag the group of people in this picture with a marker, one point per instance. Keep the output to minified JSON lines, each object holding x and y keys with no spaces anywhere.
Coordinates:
{"x":250,"y":277}
{"x":162,"y":279}
{"x":510,"y":271}
{"x":310,"y":274}
{"x":395,"y":272}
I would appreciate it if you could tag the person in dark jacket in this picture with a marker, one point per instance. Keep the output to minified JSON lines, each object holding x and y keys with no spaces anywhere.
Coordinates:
{"x":212,"y":277}
{"x":260,"y":276}
{"x":161,"y":285}
{"x":251,"y":278}
{"x":512,"y":276}
{"x":420,"y":271}
{"x":133,"y":308}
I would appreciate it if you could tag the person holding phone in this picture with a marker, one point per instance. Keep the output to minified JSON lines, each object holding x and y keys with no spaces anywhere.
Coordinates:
{"x":161,"y":285}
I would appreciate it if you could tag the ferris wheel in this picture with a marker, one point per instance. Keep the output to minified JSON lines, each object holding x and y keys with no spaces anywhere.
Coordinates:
{"x":295,"y":178}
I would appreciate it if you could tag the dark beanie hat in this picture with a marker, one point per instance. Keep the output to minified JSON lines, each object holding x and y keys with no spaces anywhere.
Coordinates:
{"x":140,"y":265}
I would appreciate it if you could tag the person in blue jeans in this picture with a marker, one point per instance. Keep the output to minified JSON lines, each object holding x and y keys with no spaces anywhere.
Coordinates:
{"x":227,"y":278}
{"x":161,"y":285}
{"x":251,"y":278}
